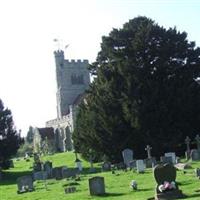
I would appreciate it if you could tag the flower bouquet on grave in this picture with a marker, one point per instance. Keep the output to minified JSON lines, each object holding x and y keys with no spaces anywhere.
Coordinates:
{"x":167,"y":186}
{"x":133,"y":185}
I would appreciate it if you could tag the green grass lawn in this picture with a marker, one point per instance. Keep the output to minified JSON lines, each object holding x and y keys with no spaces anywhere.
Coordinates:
{"x":117,"y":185}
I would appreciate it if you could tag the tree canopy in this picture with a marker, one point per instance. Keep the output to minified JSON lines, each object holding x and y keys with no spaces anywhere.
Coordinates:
{"x":145,"y":92}
{"x":9,"y":137}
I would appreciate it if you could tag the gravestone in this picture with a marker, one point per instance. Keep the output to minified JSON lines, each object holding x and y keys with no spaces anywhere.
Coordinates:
{"x":194,"y":155}
{"x":67,"y":173}
{"x":132,"y":164}
{"x":48,"y":168}
{"x":172,"y":155}
{"x":166,"y":159}
{"x":150,"y":162}
{"x":162,"y":174}
{"x":70,"y":190}
{"x":41,"y":175}
{"x":25,"y":184}
{"x":140,"y":166}
{"x":106,"y":166}
{"x":197,"y":172}
{"x":127,"y":156}
{"x":97,"y":185}
{"x":57,"y":173}
{"x":197,"y":138}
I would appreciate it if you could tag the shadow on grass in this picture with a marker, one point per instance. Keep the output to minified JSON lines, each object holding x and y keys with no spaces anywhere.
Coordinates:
{"x":10,"y":177}
{"x":111,"y":195}
{"x":192,"y":196}
{"x":143,"y":190}
{"x":184,"y":183}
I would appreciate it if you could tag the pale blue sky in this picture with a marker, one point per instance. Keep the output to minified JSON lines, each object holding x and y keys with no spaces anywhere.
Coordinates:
{"x":28,"y":27}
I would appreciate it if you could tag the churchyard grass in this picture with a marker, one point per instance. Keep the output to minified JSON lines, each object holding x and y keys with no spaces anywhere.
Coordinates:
{"x":117,"y":185}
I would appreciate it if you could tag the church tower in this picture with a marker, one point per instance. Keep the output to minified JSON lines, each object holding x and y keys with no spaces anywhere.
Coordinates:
{"x":72,"y":80}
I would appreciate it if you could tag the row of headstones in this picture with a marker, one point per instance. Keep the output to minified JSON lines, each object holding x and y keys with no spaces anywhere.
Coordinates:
{"x":25,"y":183}
{"x":149,"y":162}
{"x":165,"y":176}
{"x":56,"y":172}
{"x":162,"y":173}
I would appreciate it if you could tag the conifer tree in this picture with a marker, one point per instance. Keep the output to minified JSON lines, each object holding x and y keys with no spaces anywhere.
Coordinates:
{"x":145,"y":92}
{"x":10,"y":139}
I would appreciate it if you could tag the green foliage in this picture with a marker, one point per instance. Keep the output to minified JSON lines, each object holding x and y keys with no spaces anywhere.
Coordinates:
{"x":29,"y":137}
{"x":9,"y":137}
{"x":24,"y":148}
{"x":145,"y":92}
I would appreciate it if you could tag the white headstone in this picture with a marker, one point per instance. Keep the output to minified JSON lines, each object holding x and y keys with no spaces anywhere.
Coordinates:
{"x":79,"y":166}
{"x":127,"y":156}
{"x":140,"y":166}
{"x":172,"y":155}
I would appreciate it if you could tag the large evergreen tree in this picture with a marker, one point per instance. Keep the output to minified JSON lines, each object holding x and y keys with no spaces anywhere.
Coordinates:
{"x":9,"y":137}
{"x":145,"y":92}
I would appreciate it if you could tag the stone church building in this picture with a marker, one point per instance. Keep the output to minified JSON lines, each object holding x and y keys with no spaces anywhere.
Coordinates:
{"x":72,"y":79}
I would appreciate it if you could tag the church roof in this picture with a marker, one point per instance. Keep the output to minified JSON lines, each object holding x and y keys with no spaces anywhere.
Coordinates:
{"x":46,"y":132}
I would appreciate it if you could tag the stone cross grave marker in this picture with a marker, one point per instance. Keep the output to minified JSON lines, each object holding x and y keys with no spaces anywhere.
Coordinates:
{"x":25,"y":184}
{"x":197,"y":138}
{"x":187,"y":142}
{"x":148,"y":149}
{"x":127,"y":156}
{"x":140,"y":166}
{"x":97,"y":185}
{"x":166,"y":173}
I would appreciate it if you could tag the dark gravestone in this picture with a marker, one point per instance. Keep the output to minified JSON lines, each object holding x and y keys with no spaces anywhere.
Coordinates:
{"x":70,"y":190}
{"x":48,"y":168}
{"x":57,"y":173}
{"x":106,"y":166}
{"x":197,"y":172}
{"x":25,"y":184}
{"x":67,"y":173}
{"x":37,"y":166}
{"x":166,"y":173}
{"x":97,"y":186}
{"x":42,"y":175}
